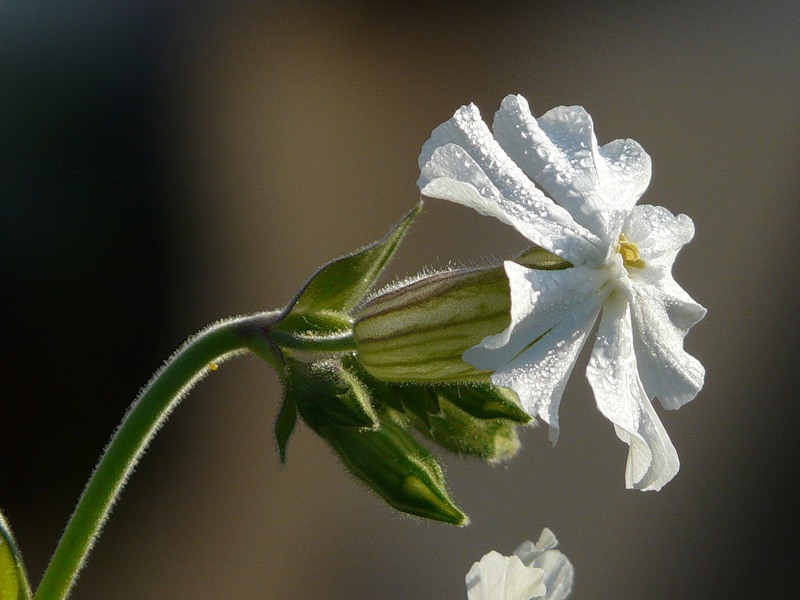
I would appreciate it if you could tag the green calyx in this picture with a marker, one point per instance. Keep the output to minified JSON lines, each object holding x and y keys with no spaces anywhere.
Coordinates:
{"x":418,"y":332}
{"x":303,"y":342}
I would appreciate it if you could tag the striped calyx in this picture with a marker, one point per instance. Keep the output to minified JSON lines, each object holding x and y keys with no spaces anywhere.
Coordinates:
{"x":417,"y":332}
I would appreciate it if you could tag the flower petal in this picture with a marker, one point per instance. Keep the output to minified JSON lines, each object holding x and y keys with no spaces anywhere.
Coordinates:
{"x":559,"y":572}
{"x":661,"y":319}
{"x":559,"y":152}
{"x":657,"y":232}
{"x":618,"y":391}
{"x":498,"y":577}
{"x":464,"y":150}
{"x":552,"y":313}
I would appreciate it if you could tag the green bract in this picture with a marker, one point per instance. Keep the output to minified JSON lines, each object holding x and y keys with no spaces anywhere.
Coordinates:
{"x":324,"y":303}
{"x":317,"y":322}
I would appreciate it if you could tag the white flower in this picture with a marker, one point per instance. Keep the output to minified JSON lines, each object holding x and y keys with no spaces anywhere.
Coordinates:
{"x":550,"y":180}
{"x":534,"y":571}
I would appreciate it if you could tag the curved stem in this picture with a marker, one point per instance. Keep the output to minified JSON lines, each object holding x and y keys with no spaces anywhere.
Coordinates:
{"x":198,"y":356}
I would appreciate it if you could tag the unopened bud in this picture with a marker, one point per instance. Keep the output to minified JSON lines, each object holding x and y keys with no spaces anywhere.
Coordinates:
{"x":397,"y":468}
{"x":495,"y":440}
{"x":326,"y":392}
{"x":485,"y":401}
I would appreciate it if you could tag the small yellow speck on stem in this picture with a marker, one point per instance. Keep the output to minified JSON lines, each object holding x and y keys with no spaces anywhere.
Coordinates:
{"x":212,"y":366}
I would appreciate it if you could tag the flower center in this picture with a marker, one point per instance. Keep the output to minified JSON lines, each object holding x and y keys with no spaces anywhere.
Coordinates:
{"x":630,"y":253}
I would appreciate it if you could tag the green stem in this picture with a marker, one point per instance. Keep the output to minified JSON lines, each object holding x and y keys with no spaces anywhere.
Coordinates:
{"x":168,"y":386}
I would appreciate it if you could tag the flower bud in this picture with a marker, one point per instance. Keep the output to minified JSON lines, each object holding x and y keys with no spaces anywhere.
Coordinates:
{"x":418,"y":331}
{"x":454,"y":429}
{"x":485,"y":401}
{"x":326,"y":392}
{"x":396,"y":467}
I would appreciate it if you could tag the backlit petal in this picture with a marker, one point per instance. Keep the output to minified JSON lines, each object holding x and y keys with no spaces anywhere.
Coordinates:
{"x":559,"y":152}
{"x":613,"y":375}
{"x":464,"y":150}
{"x":559,"y":572}
{"x":657,"y":232}
{"x":552,"y":313}
{"x":498,"y":577}
{"x":660,"y":323}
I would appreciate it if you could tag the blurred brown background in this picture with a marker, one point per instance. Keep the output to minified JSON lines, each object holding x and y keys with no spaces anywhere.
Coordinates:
{"x":161,"y":168}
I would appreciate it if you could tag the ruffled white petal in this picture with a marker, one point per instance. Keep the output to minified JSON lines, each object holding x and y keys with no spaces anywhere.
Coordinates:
{"x":629,"y":171}
{"x":618,"y":391}
{"x":657,"y":232}
{"x":498,"y":577}
{"x":552,"y":312}
{"x":559,"y":151}
{"x":559,"y":573}
{"x":660,"y":323}
{"x":463,"y":150}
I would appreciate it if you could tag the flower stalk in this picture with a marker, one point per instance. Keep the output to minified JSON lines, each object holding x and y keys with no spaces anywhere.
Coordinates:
{"x":197,"y":358}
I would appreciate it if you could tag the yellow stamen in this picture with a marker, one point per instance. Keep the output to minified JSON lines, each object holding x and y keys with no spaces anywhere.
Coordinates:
{"x":630,"y":253}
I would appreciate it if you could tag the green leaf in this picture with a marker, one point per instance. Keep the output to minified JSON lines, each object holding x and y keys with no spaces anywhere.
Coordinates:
{"x":13,"y":579}
{"x":342,"y":283}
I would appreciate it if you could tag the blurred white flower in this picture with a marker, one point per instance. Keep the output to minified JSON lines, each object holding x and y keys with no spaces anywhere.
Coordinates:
{"x":622,"y":257}
{"x":534,"y":571}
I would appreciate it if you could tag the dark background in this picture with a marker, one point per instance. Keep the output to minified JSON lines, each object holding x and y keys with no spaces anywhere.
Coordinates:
{"x":161,"y":168}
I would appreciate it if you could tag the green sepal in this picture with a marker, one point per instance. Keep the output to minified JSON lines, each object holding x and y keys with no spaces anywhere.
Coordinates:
{"x":396,"y":467}
{"x":284,"y":425}
{"x":418,"y":332}
{"x":343,"y":283}
{"x":317,"y":321}
{"x":485,"y":401}
{"x":13,"y":578}
{"x":420,"y":401}
{"x":537,"y":257}
{"x":326,"y":393}
{"x":400,"y":398}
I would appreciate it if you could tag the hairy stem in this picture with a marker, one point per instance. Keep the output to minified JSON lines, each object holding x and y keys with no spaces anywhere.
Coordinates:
{"x":193,"y":361}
